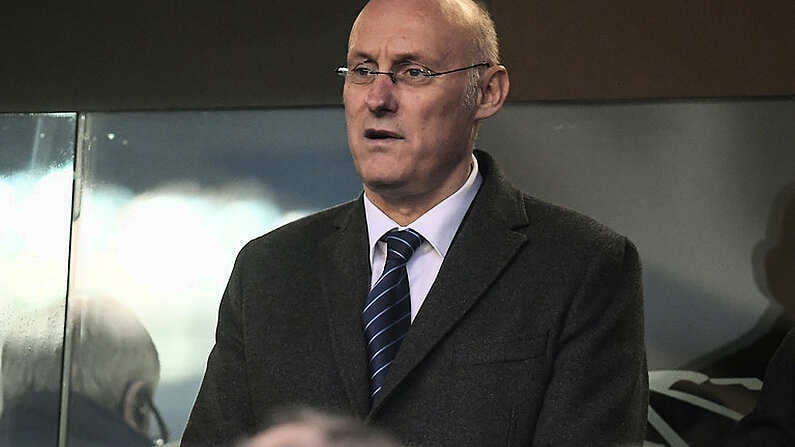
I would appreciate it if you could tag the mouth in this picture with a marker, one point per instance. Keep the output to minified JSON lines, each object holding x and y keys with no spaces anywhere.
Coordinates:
{"x":381,"y":135}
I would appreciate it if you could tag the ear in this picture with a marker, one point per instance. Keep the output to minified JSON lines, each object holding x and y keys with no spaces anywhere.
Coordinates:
{"x":135,"y":406}
{"x":493,"y":89}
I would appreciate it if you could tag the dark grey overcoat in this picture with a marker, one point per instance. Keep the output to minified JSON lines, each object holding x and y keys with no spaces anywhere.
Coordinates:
{"x":532,"y":333}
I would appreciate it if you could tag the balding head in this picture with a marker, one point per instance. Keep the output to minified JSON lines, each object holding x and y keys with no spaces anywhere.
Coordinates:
{"x":114,"y":362}
{"x":475,"y":29}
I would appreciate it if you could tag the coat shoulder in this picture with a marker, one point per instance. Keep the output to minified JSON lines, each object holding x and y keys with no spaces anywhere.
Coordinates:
{"x":571,"y":231}
{"x":299,"y":238}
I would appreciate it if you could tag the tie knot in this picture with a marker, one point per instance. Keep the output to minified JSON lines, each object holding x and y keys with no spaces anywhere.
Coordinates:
{"x":400,"y":245}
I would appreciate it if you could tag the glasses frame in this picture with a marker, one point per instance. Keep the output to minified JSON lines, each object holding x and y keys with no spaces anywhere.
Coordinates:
{"x":345,"y":71}
{"x":161,"y":424}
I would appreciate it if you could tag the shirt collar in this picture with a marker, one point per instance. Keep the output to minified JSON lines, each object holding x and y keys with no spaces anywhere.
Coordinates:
{"x":438,"y":225}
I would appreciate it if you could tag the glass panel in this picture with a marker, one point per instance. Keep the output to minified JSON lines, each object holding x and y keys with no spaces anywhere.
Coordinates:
{"x":706,"y":189}
{"x":36,"y":170}
{"x":168,"y":200}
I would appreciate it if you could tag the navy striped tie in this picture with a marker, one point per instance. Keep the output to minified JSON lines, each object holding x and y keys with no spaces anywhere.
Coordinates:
{"x":387,"y":312}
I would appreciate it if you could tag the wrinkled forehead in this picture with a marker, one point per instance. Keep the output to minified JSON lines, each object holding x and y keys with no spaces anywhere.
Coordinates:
{"x":431,"y":30}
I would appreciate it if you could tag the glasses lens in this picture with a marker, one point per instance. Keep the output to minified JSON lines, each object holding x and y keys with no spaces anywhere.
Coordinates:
{"x":413,"y":75}
{"x":361,"y":75}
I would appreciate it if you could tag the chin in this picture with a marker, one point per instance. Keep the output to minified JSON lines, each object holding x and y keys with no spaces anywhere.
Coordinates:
{"x":384,"y":185}
{"x":378,"y":168}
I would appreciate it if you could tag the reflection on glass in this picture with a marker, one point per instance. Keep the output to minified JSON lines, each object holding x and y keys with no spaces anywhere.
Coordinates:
{"x":36,"y":165}
{"x":167,"y":201}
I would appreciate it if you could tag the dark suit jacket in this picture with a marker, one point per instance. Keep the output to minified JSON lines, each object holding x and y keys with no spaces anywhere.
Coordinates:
{"x":532,"y":333}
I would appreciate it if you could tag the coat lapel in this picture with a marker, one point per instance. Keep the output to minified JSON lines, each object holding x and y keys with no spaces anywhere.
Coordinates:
{"x":345,"y":284}
{"x":485,"y":243}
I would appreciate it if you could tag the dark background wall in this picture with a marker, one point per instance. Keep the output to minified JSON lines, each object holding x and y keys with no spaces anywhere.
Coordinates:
{"x":92,"y":55}
{"x":581,"y":49}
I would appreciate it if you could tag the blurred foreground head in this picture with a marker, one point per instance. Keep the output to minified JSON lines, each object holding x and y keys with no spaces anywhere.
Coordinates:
{"x":308,"y":428}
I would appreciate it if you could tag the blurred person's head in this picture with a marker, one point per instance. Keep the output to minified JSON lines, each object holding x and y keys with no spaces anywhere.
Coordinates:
{"x":113,"y":360}
{"x":309,"y":428}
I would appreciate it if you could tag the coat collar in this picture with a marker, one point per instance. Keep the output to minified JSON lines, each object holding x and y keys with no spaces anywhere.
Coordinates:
{"x":485,"y":243}
{"x":345,"y":285}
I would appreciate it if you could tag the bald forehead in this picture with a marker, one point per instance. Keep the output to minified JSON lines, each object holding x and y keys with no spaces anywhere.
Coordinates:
{"x":459,"y":17}
{"x":458,"y":12}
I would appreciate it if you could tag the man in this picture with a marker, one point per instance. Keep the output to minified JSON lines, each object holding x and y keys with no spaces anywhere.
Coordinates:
{"x":114,"y":372}
{"x":307,"y":428}
{"x":526,"y":322}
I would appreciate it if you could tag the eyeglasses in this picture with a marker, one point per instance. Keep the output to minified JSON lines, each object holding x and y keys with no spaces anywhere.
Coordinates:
{"x":408,"y":74}
{"x":162,"y":439}
{"x":141,"y":416}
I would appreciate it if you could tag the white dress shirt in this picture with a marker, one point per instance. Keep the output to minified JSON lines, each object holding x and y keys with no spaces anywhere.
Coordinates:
{"x":438,"y":226}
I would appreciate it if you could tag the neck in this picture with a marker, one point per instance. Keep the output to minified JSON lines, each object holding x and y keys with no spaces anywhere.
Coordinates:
{"x":406,"y":208}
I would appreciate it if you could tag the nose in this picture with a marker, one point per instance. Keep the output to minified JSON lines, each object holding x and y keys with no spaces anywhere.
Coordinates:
{"x":381,"y":95}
